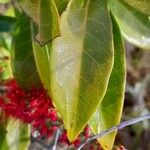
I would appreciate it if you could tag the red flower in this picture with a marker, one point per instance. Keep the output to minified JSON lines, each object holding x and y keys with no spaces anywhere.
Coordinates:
{"x":77,"y":142}
{"x":87,"y":132}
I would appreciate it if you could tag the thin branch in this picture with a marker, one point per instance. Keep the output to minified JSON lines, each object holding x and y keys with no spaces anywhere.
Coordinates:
{"x":40,"y":142}
{"x":115,"y":128}
{"x":54,"y":147}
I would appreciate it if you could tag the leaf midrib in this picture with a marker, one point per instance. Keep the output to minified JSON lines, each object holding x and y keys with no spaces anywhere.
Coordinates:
{"x":83,"y":37}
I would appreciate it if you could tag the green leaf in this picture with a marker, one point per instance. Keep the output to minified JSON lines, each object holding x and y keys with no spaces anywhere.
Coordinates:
{"x":109,"y":111}
{"x":141,"y":5}
{"x":81,"y":62}
{"x":42,"y":59}
{"x":5,"y":64}
{"x":18,"y":135}
{"x":45,"y":16}
{"x":61,"y":5}
{"x":6,"y":23}
{"x":3,"y":141}
{"x":135,"y":26}
{"x":4,"y":1}
{"x":23,"y":63}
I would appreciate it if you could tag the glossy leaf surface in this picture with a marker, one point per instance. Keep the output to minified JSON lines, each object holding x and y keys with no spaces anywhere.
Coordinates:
{"x":45,"y":16}
{"x":109,"y":111}
{"x":81,"y":62}
{"x":23,"y":64}
{"x":141,"y":5}
{"x":135,"y":26}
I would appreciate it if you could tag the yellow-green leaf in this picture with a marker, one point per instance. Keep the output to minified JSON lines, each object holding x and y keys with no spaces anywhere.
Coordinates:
{"x":45,"y":15}
{"x":134,"y":25}
{"x":141,"y":5}
{"x":42,"y":59}
{"x":109,"y":111}
{"x":81,"y":62}
{"x":18,"y":135}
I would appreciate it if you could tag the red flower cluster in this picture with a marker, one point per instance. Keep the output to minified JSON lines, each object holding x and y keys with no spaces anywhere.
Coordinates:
{"x":36,"y":108}
{"x":33,"y":107}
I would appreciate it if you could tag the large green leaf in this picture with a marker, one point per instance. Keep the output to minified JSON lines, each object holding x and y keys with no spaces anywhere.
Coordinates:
{"x":81,"y":62}
{"x":44,"y":14}
{"x":135,"y":26}
{"x":23,"y":63}
{"x":18,"y":135}
{"x":6,"y":23}
{"x":61,"y":5}
{"x":141,"y":5}
{"x":109,"y":111}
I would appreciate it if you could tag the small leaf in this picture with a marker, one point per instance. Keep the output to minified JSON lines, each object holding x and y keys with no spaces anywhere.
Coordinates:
{"x":6,"y":23}
{"x":45,"y":16}
{"x":141,"y":5}
{"x":23,"y":63}
{"x":109,"y":111}
{"x":61,"y":5}
{"x":135,"y":26}
{"x":3,"y":141}
{"x":81,"y":62}
{"x":18,"y":135}
{"x":42,"y":59}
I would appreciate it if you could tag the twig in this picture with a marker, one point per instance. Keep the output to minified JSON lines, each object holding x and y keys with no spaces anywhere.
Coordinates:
{"x":54,"y":147}
{"x":40,"y":142}
{"x":114,"y":128}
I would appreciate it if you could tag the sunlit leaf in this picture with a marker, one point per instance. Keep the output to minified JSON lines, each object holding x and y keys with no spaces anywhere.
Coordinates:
{"x":81,"y":62}
{"x":135,"y":26}
{"x":23,"y":64}
{"x":4,"y":1}
{"x":45,"y":16}
{"x":18,"y":135}
{"x":42,"y":59}
{"x":141,"y":5}
{"x":5,"y":66}
{"x":109,"y":111}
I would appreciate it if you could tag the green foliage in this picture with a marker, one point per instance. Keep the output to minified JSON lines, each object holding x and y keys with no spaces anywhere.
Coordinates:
{"x":109,"y":111}
{"x":61,"y":5}
{"x":3,"y":141}
{"x":81,"y":62}
{"x":18,"y":135}
{"x":141,"y":5}
{"x":45,"y":16}
{"x":42,"y":59}
{"x":6,"y":23}
{"x":23,"y":64}
{"x":84,"y":68}
{"x":134,"y":25}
